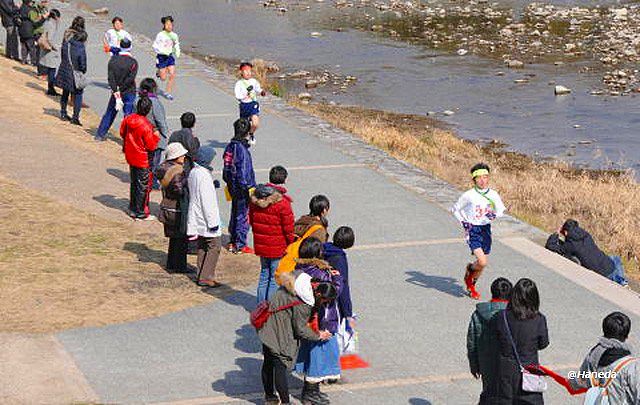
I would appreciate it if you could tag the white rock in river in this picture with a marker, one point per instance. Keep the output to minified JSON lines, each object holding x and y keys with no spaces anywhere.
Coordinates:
{"x":560,"y":90}
{"x":316,"y":34}
{"x":305,"y":96}
{"x":448,"y":113}
{"x":102,"y":10}
{"x":515,"y":64}
{"x":462,"y":52}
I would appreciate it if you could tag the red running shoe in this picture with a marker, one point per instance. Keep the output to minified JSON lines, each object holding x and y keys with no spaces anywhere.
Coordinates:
{"x":247,"y":250}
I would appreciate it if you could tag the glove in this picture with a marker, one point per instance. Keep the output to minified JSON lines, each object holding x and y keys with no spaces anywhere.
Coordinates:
{"x":491,"y":215}
{"x":251,"y":191}
{"x":119,"y":102}
{"x":263,"y":93}
{"x":466,"y":226}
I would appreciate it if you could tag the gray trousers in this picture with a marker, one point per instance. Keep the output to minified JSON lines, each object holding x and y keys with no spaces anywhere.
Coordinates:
{"x":13,"y":43}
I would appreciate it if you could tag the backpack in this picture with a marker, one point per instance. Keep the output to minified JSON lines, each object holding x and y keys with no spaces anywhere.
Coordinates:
{"x":261,"y":314}
{"x":288,"y":262}
{"x":598,"y":394}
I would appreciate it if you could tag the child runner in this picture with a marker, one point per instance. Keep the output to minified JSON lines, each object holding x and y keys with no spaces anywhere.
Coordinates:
{"x":114,"y":36}
{"x":476,"y":209}
{"x":247,"y":90}
{"x":167,"y":48}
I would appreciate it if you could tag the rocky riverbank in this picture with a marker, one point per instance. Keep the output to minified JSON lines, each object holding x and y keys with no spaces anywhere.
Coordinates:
{"x":606,"y":37}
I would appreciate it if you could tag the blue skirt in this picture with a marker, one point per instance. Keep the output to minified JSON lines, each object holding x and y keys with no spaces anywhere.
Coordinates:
{"x":319,"y":361}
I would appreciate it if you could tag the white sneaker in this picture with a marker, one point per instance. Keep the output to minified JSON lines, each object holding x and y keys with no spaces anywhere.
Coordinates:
{"x":148,"y":218}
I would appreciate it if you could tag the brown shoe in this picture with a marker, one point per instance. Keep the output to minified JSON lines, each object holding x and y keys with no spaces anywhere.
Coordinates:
{"x":208,"y":283}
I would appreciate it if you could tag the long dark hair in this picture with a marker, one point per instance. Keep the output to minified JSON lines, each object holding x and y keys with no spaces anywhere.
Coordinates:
{"x":525,"y":300}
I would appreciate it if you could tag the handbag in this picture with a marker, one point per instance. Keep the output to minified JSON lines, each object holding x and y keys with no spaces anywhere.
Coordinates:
{"x":261,"y":314}
{"x":43,"y":42}
{"x":79,"y":78}
{"x":347,"y":338}
{"x":530,"y":382}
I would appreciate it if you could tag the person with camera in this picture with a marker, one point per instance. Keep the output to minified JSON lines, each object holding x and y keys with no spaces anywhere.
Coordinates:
{"x":11,"y":21}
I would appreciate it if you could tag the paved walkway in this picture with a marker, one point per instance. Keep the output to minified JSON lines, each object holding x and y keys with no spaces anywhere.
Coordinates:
{"x":406,"y":272}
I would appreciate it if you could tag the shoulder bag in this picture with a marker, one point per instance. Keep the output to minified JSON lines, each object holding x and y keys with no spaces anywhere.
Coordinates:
{"x":530,"y":382}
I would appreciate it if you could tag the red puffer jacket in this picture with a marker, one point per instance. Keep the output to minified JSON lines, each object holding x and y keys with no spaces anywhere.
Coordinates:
{"x":271,"y":219}
{"x":138,"y":139}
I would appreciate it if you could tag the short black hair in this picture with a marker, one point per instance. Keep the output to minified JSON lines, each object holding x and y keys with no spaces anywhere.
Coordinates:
{"x":310,"y":248}
{"x":344,"y":238}
{"x":241,"y":128}
{"x":116,"y":18}
{"x":144,"y":106}
{"x":326,"y":291}
{"x":569,"y":224}
{"x":188,"y":120}
{"x":78,"y":24}
{"x":318,"y":204}
{"x":54,"y":13}
{"x":617,"y":326}
{"x":524,"y":302}
{"x":243,"y":64}
{"x":501,"y":288}
{"x":148,"y":85}
{"x":278,"y":175}
{"x":479,"y":166}
{"x":163,"y":20}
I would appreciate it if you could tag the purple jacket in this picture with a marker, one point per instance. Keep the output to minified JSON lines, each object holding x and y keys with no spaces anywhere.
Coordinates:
{"x":319,"y":270}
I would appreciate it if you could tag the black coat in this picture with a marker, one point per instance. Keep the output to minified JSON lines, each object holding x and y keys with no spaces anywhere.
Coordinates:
{"x":27,"y":26}
{"x":188,"y":140}
{"x":8,"y":13}
{"x":579,"y":244}
{"x":530,"y":336}
{"x":73,"y":57}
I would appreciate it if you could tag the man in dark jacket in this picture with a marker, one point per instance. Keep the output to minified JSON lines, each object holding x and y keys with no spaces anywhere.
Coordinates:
{"x":271,"y":218}
{"x":240,"y":178}
{"x":122,"y":71}
{"x":10,"y":15}
{"x":185,"y":136}
{"x":578,"y":245}
{"x":482,"y":350}
{"x":28,"y":48}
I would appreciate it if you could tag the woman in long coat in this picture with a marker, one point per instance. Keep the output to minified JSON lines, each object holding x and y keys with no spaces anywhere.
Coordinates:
{"x":50,"y":53}
{"x":73,"y":59}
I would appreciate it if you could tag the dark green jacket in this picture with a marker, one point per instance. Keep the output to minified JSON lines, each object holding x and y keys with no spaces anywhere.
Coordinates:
{"x":284,"y":330}
{"x":482,"y":347}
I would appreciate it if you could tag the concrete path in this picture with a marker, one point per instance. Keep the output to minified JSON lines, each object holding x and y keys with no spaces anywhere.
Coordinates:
{"x":406,"y":272}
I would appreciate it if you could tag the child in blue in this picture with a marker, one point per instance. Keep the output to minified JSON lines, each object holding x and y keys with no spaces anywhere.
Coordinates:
{"x":241,"y":180}
{"x":335,"y":255}
{"x":319,"y":361}
{"x":475,"y":210}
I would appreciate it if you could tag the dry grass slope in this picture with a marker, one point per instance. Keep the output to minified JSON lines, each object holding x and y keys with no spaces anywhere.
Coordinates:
{"x":543,"y":194}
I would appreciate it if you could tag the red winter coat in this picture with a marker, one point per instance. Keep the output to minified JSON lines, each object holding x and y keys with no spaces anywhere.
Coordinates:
{"x":271,"y":219}
{"x":138,"y":139}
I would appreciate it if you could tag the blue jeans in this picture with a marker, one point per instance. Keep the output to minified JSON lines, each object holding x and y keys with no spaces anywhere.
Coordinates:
{"x":110,"y":115}
{"x":267,"y":282}
{"x":618,"y":271}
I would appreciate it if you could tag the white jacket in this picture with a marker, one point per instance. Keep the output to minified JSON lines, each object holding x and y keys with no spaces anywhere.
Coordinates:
{"x":203,"y":218}
{"x":473,"y":206}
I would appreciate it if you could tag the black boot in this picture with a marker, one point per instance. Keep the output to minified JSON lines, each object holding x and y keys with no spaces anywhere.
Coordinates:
{"x":311,"y":395}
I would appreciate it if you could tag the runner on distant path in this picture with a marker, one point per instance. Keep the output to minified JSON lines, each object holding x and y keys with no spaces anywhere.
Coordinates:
{"x":167,"y":48}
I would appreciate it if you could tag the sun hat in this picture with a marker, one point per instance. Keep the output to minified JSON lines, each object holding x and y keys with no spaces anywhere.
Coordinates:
{"x":175,"y":150}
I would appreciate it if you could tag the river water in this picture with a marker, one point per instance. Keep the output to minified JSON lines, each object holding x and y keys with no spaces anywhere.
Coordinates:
{"x":599,"y":132}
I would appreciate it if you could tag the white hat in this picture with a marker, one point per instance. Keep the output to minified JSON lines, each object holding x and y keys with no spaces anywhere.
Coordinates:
{"x":303,"y":289}
{"x":175,"y":150}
